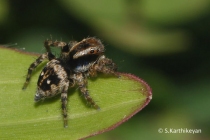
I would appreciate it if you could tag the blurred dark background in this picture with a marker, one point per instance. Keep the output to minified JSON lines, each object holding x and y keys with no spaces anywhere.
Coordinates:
{"x":166,"y":43}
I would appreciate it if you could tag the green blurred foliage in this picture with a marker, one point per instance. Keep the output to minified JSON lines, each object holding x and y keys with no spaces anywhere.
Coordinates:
{"x":166,"y":43}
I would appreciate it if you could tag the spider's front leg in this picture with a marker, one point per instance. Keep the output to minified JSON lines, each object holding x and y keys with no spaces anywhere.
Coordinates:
{"x":50,"y":43}
{"x":82,"y":83}
{"x":65,"y":48}
{"x":44,"y":56}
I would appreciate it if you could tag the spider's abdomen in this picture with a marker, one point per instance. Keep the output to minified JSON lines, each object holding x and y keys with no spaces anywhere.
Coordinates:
{"x":52,"y":80}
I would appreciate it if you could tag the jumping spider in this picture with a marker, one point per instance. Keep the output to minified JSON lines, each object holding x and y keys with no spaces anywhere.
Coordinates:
{"x":77,"y":61}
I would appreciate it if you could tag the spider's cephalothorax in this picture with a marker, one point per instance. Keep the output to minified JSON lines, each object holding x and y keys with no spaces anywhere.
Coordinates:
{"x":77,"y":61}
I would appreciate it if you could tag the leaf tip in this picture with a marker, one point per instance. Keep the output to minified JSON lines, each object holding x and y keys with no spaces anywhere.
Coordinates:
{"x":146,"y":90}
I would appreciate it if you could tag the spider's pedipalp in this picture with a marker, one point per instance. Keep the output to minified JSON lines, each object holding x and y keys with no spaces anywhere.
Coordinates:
{"x":103,"y":65}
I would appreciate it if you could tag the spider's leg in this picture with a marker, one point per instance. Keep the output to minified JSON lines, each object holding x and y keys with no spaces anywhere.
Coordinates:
{"x":50,"y":43}
{"x":42,"y":57}
{"x":82,"y":83}
{"x":47,"y":44}
{"x":64,"y":103}
{"x":65,"y":48}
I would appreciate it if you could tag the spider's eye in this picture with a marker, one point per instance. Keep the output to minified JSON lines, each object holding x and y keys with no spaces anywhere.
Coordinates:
{"x":92,"y":51}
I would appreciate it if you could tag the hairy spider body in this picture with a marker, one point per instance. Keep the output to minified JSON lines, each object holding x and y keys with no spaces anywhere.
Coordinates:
{"x":77,"y":61}
{"x":52,"y":80}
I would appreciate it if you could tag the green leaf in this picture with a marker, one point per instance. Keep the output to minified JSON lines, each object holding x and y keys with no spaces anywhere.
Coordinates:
{"x":21,"y":118}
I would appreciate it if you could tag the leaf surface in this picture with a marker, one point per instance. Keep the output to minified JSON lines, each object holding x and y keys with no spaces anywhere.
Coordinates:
{"x":22,"y":118}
